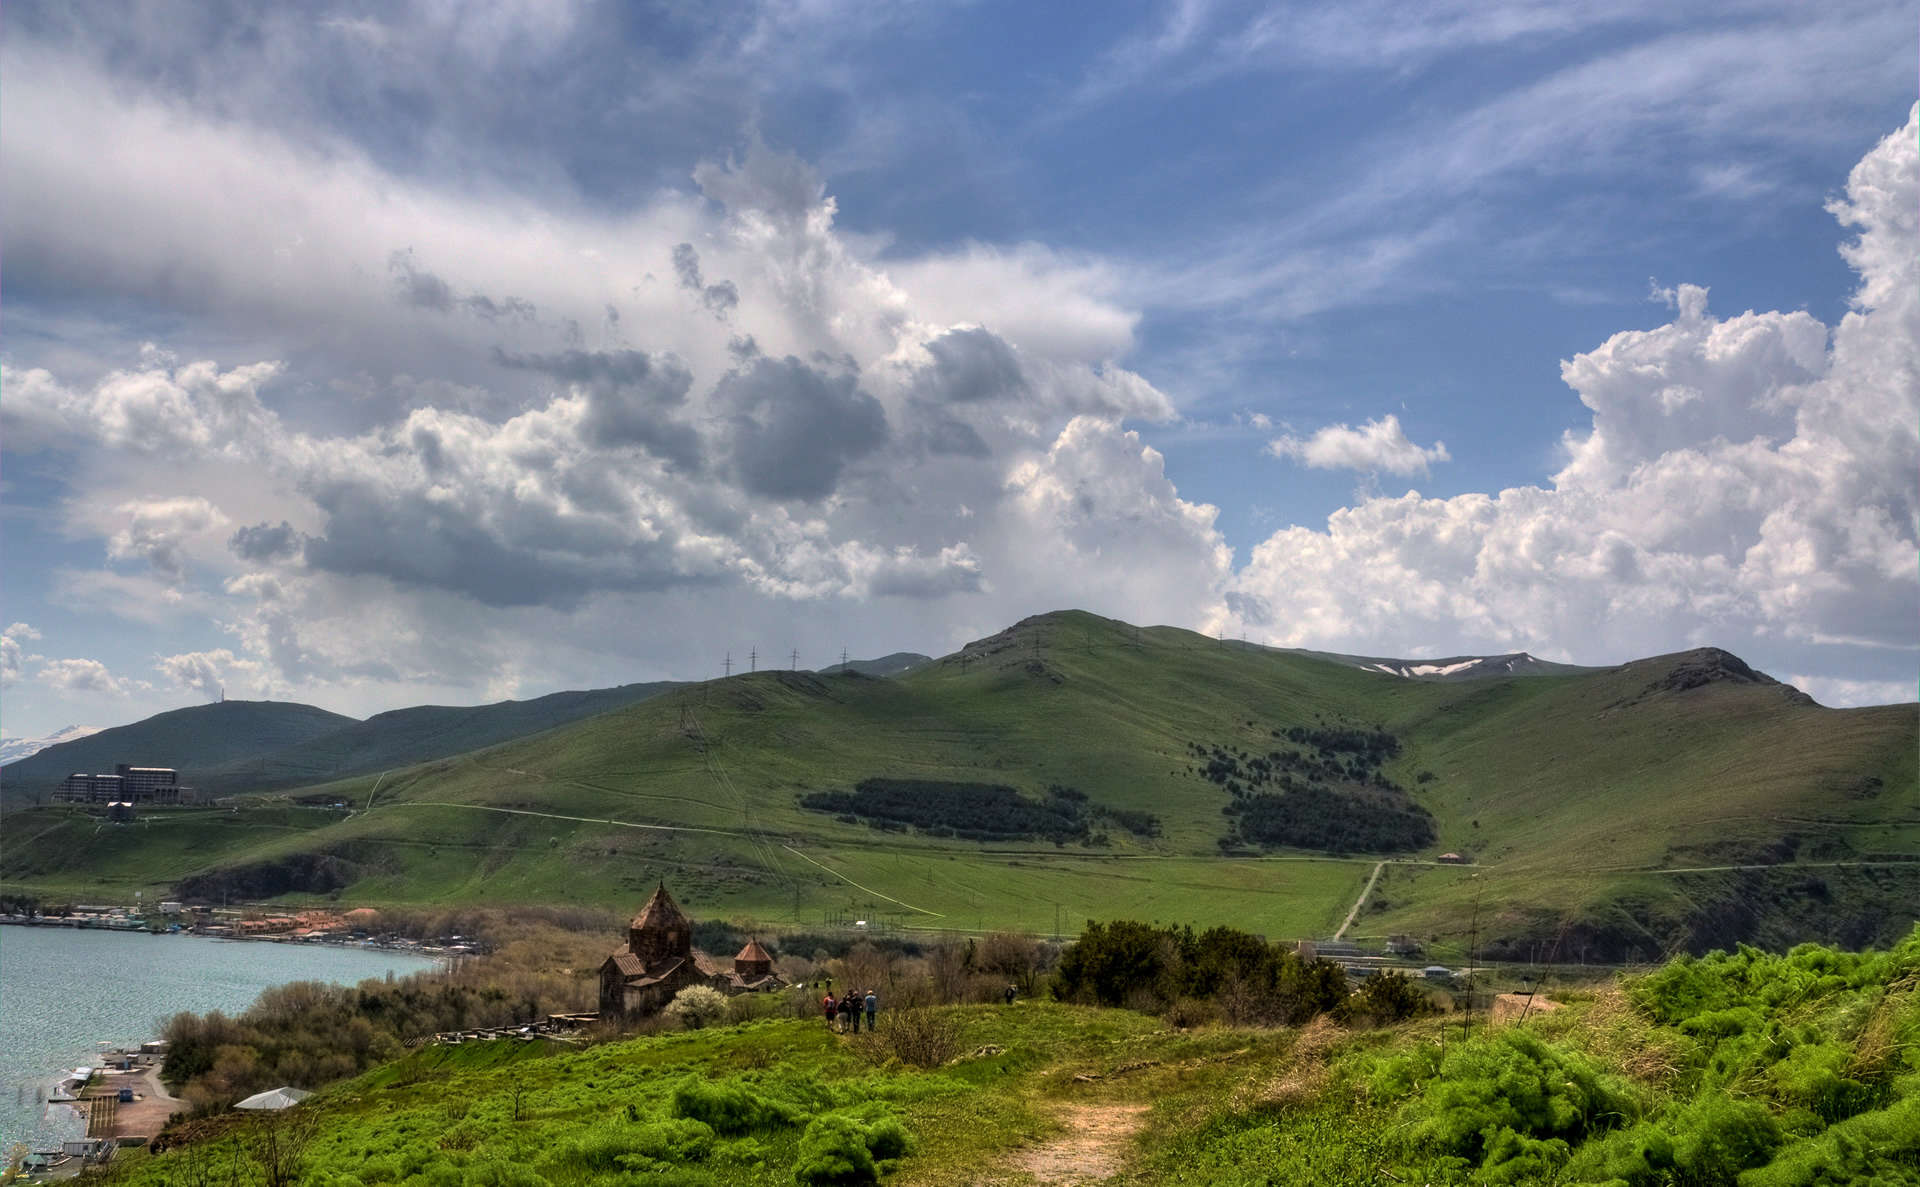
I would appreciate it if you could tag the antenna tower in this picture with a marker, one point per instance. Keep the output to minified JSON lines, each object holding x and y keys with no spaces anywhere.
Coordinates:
{"x":753,"y":661}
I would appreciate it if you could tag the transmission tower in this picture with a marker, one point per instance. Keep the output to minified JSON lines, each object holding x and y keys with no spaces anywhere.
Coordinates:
{"x":796,"y":659}
{"x":753,"y":661}
{"x":728,"y":669}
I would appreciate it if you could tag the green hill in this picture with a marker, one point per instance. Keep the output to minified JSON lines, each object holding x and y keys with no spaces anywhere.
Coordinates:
{"x":195,"y":740}
{"x":1072,"y":767}
{"x":405,"y":736}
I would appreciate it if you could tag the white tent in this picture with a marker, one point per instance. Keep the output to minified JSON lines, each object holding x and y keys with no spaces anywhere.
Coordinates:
{"x":277,"y":1098}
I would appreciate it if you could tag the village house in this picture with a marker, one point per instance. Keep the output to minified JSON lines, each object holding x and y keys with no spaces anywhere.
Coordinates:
{"x":660,"y":960}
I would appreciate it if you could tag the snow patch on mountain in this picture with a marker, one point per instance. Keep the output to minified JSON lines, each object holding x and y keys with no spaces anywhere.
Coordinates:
{"x":15,"y":749}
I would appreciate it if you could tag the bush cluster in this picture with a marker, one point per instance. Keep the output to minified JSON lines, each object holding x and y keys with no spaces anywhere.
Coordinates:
{"x":1138,"y":965}
{"x":1776,"y":1071}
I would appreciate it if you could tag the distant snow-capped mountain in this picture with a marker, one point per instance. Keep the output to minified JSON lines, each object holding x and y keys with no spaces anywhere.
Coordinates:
{"x":14,"y":749}
{"x":1455,"y":667}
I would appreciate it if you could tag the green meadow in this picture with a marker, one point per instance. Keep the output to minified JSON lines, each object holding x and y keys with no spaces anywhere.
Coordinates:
{"x":1577,"y":795}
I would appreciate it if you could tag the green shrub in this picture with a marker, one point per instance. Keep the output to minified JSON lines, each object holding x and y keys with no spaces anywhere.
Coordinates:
{"x":675,"y":1139}
{"x":1717,"y":1137}
{"x":729,"y":1106}
{"x":1515,"y":1158}
{"x":833,"y":1151}
{"x":499,"y":1173}
{"x":599,"y":1149}
{"x":1386,"y":998}
{"x":1878,"y":1147}
{"x":851,"y":1147}
{"x":1514,"y":1081}
{"x":1815,"y":1076}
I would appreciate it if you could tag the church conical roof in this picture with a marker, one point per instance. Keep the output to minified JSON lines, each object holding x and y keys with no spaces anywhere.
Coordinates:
{"x":752,"y":952}
{"x":659,"y":912}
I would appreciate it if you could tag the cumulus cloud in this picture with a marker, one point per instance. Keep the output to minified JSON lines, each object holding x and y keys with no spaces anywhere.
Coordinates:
{"x":632,"y":398}
{"x":157,"y":529}
{"x":265,"y":541}
{"x":1376,"y":446}
{"x":83,"y":675}
{"x":792,"y":428}
{"x":833,"y":433}
{"x":205,"y":672}
{"x":1740,"y":479}
{"x":970,"y":365}
{"x":13,"y":655}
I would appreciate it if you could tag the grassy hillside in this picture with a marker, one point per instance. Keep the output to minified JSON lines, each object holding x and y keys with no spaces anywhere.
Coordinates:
{"x":403,"y":737}
{"x":1778,"y":1071}
{"x":194,"y":740}
{"x":1575,"y":793}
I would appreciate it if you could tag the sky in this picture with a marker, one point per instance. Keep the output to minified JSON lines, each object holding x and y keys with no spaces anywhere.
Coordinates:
{"x":376,"y":354}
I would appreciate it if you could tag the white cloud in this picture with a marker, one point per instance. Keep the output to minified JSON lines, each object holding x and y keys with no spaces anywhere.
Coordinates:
{"x":13,"y":656}
{"x":157,"y":529}
{"x":1840,"y":693}
{"x":85,"y":676}
{"x":207,"y":672}
{"x":843,"y":431}
{"x":1739,"y":481}
{"x":1376,"y":446}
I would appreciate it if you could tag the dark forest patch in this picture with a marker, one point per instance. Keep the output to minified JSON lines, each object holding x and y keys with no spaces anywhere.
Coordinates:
{"x":1315,"y":787}
{"x":977,"y":811}
{"x":1345,"y":820}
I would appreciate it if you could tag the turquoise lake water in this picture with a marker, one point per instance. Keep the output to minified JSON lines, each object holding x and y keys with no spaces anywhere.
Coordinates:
{"x":64,"y":992}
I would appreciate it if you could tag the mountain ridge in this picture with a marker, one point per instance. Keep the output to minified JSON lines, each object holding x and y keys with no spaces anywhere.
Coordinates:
{"x":1261,"y":786}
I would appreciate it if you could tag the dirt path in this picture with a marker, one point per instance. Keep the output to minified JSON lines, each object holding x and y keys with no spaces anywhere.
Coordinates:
{"x":1093,"y":1149}
{"x":1361,"y":901}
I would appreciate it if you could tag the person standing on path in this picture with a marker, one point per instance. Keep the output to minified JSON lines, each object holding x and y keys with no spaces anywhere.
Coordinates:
{"x":873,"y":1007}
{"x":853,"y":1008}
{"x":1010,"y":992}
{"x":846,"y":1013}
{"x":830,"y":1006}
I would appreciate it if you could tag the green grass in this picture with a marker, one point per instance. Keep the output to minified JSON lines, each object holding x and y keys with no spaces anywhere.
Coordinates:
{"x":1790,"y":1070}
{"x":1564,"y":787}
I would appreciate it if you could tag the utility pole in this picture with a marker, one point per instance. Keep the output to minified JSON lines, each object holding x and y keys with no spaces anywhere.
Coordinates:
{"x":729,"y":664}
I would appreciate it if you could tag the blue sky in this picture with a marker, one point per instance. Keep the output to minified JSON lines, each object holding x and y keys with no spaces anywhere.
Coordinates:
{"x":372,"y":354}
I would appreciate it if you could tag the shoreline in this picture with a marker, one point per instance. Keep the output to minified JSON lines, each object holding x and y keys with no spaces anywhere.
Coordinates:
{"x":436,"y":953}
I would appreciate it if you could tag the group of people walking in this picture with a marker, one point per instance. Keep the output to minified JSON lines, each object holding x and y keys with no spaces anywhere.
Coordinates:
{"x":843,"y":1014}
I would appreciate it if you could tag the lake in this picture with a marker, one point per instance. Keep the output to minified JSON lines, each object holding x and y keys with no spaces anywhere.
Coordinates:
{"x":64,"y":992}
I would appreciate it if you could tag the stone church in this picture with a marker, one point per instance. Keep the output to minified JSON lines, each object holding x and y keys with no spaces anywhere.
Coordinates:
{"x":660,"y":960}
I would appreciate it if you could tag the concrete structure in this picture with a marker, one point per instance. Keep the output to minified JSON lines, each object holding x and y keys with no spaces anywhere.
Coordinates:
{"x":81,"y":788}
{"x":159,"y":785}
{"x":660,"y":960}
{"x":128,"y":784}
